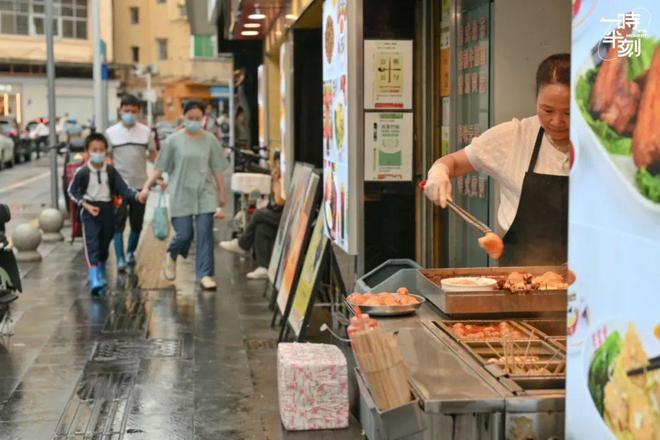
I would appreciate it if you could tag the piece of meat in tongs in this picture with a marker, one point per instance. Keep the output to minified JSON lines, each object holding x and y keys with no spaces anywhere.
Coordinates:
{"x":614,"y":98}
{"x":646,"y":137}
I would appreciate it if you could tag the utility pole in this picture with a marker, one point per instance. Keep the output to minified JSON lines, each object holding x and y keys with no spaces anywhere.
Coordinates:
{"x":50,"y":69}
{"x":99,"y":121}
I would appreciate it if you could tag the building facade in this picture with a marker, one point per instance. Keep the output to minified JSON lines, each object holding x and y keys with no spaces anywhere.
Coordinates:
{"x":181,"y":55}
{"x":23,"y":89}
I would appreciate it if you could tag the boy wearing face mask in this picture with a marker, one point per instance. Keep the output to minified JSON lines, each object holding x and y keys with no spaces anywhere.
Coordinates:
{"x":93,"y":187}
{"x":131,"y":144}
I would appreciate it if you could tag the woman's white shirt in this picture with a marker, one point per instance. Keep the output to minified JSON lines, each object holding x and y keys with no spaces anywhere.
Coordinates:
{"x":504,"y":152}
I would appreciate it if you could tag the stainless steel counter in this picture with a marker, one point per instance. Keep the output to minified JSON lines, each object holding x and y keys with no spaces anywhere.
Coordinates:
{"x":443,"y":381}
{"x":459,"y":398}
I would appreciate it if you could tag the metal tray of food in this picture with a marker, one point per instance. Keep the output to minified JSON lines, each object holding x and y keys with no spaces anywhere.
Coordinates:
{"x":399,"y":310}
{"x":495,"y":302}
{"x":469,"y":330}
{"x":521,"y":356}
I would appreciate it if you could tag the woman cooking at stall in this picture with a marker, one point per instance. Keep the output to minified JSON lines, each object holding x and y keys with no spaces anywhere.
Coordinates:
{"x":530,"y":160}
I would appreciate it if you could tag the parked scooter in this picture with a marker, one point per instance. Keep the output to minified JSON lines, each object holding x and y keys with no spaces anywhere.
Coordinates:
{"x":10,"y":279}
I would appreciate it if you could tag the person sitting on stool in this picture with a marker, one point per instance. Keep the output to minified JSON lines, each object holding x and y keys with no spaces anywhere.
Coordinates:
{"x":261,"y":230}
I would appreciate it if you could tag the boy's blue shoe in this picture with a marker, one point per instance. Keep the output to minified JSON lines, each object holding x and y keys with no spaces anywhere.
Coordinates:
{"x":133,"y":240}
{"x":103,"y":274}
{"x":119,"y":251}
{"x":95,"y":283}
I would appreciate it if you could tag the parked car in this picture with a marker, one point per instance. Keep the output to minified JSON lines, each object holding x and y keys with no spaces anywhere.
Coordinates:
{"x":9,"y":127}
{"x":6,"y":151}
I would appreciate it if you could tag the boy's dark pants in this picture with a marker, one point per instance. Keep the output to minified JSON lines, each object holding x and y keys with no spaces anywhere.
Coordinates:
{"x":98,"y":232}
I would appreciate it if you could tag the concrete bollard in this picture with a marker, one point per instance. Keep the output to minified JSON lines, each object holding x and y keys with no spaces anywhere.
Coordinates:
{"x":66,"y":216}
{"x":50,"y":222}
{"x":27,"y":238}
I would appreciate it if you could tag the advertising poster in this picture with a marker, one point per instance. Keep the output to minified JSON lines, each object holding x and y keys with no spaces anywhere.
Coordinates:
{"x":295,"y":240}
{"x":337,"y":151}
{"x":301,"y":175}
{"x":388,"y":146}
{"x":262,"y":96}
{"x":614,"y":224}
{"x":309,"y":276}
{"x":388,"y":74}
{"x":286,"y":115}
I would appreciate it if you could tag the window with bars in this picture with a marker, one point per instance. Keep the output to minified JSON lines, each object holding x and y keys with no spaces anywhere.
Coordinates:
{"x":27,"y":17}
{"x":135,"y":52}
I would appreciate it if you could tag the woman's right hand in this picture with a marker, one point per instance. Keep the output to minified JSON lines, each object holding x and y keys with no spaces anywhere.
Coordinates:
{"x":143,"y":196}
{"x":438,"y":184}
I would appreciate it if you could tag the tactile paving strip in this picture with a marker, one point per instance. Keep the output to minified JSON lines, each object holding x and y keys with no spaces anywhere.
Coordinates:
{"x":99,"y":406}
{"x":131,"y":349}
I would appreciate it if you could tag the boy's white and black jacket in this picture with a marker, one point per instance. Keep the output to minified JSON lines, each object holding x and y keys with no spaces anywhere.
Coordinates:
{"x":78,"y":189}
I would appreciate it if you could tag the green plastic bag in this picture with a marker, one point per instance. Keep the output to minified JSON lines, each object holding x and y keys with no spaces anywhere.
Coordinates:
{"x":161,"y":221}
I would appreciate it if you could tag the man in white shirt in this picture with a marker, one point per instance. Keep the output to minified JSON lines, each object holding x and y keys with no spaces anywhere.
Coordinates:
{"x":131,"y":144}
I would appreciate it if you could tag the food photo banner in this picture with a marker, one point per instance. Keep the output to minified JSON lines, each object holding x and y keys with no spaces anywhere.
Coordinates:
{"x":340,"y":126}
{"x":614,"y":223}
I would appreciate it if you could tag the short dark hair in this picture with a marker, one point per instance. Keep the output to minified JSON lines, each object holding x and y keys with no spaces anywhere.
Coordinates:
{"x":95,"y":137}
{"x":556,"y":69}
{"x":130,"y":100}
{"x":189,"y":105}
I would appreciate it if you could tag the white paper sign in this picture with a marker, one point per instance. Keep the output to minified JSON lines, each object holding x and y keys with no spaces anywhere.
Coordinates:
{"x":388,"y":74}
{"x":388,"y":146}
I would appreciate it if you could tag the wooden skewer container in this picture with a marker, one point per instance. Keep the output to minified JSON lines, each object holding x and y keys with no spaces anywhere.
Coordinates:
{"x":379,"y":356}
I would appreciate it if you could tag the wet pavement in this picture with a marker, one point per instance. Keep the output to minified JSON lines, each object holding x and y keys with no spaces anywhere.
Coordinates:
{"x":152,"y":360}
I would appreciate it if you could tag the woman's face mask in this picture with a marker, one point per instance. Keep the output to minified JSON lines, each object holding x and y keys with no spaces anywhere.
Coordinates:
{"x":192,"y":126}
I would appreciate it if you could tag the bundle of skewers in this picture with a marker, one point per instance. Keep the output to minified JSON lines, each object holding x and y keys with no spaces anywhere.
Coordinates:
{"x":379,"y":357}
{"x":516,"y":360}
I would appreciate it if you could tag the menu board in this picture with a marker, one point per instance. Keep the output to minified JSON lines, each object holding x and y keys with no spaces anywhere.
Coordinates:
{"x":309,"y":278}
{"x":614,"y":222}
{"x":295,"y":240}
{"x":299,"y":183}
{"x":339,"y":147}
{"x":388,"y":146}
{"x":388,"y":78}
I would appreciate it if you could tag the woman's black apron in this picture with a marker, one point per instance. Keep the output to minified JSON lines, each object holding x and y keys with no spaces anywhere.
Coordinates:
{"x":538,"y":235}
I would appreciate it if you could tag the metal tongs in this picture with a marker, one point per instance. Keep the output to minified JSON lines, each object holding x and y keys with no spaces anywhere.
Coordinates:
{"x":490,"y":242}
{"x":469,"y":218}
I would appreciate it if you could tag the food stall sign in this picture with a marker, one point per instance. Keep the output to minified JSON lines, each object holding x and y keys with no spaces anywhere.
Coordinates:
{"x":614,"y":221}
